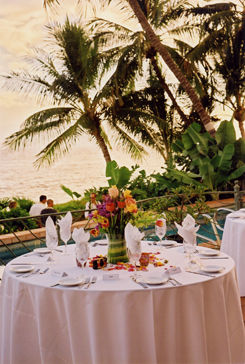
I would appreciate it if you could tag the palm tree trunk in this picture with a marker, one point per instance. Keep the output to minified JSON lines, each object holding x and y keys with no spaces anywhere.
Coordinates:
{"x":155,"y":42}
{"x":102,"y":146}
{"x":167,"y":90}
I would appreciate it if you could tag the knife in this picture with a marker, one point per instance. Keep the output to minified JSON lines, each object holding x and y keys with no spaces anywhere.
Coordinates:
{"x":25,"y":263}
{"x":202,"y":274}
{"x":216,"y":258}
{"x":140,"y":283}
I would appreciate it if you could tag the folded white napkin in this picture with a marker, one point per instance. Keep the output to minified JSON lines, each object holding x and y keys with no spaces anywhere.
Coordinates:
{"x":133,"y":237}
{"x":188,"y":221}
{"x":161,"y":229}
{"x":81,"y":239}
{"x":65,"y":226}
{"x":188,"y":229}
{"x":51,"y":232}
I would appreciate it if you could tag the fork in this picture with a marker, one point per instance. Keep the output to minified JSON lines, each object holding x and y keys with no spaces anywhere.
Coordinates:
{"x":93,"y":280}
{"x":172,"y":279}
{"x":86,"y":281}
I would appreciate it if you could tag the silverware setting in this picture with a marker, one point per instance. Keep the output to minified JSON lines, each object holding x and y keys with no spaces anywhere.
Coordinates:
{"x":216,"y":258}
{"x":86,"y":281}
{"x":202,"y":274}
{"x":144,"y":285}
{"x":171,"y":279}
{"x":30,"y":274}
{"x":44,"y":271}
{"x":93,"y":280}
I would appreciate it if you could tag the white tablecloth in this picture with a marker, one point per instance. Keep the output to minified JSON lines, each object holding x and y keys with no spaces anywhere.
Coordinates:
{"x":119,"y":322}
{"x":233,"y":244}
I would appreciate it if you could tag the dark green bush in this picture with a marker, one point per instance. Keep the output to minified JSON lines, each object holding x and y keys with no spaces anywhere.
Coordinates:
{"x":16,"y":225}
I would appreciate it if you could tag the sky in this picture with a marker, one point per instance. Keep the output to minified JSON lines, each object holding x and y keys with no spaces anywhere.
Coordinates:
{"x":22,"y":24}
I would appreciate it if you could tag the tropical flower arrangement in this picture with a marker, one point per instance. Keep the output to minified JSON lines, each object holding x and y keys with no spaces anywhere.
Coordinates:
{"x":111,"y":217}
{"x":114,"y":213}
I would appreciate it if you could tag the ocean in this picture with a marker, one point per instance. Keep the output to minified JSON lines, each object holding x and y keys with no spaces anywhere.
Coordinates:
{"x":81,"y":169}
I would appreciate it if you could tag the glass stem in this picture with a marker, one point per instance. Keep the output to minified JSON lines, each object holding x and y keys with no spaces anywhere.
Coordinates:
{"x":135,"y":273}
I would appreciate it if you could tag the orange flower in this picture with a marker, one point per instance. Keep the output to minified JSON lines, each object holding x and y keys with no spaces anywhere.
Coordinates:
{"x":105,"y":223}
{"x":94,"y":232}
{"x":159,"y":223}
{"x":131,"y":205}
{"x":110,"y":206}
{"x":121,"y":204}
{"x":113,"y":192}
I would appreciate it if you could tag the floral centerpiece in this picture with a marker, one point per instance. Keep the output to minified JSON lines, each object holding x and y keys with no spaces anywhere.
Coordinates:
{"x":111,"y":217}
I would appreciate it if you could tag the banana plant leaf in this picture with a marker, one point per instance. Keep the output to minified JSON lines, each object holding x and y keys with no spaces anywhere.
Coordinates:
{"x":225,"y":134}
{"x":117,"y":176}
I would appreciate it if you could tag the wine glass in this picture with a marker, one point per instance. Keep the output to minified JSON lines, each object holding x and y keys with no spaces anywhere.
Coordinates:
{"x":65,"y":242}
{"x":160,"y":234}
{"x":190,"y":248}
{"x":82,"y":255}
{"x":134,"y":255}
{"x":52,"y":243}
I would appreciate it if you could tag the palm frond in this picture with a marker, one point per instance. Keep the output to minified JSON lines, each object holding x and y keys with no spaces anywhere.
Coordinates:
{"x":42,"y":122}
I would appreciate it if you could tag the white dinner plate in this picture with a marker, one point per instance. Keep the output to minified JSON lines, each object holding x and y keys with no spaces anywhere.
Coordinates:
{"x":168,"y":242}
{"x":212,"y":268}
{"x":210,"y":252}
{"x":155,"y":280}
{"x":22,"y":268}
{"x":102,"y":242}
{"x":41,"y":250}
{"x":70,"y":281}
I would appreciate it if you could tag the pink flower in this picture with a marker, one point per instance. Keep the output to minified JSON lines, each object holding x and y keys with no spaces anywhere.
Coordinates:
{"x":113,"y":192}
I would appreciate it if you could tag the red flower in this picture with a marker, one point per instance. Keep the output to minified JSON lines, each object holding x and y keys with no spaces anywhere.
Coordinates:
{"x":121,"y":204}
{"x":94,"y":232}
{"x":159,"y":223}
{"x":110,"y":206}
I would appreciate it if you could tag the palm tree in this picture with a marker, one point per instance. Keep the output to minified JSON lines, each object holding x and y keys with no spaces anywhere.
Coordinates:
{"x":113,"y":32}
{"x":222,"y":38}
{"x":161,"y":49}
{"x":70,"y":78}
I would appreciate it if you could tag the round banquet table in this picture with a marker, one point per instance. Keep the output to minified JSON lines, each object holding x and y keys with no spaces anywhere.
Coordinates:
{"x":233,"y":244}
{"x":118,"y":321}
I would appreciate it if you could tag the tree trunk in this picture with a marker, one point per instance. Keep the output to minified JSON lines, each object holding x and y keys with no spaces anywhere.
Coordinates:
{"x":102,"y":146}
{"x":168,"y":91}
{"x":155,"y":42}
{"x":239,"y":115}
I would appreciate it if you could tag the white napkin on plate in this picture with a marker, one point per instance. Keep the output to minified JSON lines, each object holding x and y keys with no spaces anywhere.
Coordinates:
{"x":81,"y":239}
{"x":51,"y":232}
{"x":188,"y":229}
{"x":65,"y":226}
{"x":133,"y":237}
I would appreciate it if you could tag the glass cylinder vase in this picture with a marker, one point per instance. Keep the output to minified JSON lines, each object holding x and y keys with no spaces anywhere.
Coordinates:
{"x":117,"y":250}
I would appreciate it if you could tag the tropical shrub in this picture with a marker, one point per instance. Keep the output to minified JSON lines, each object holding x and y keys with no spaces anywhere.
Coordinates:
{"x":16,"y":225}
{"x":207,"y":161}
{"x":4,"y":202}
{"x":24,"y":203}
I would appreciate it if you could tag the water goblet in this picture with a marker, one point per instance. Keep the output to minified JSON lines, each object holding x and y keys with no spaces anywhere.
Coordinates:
{"x":82,"y":255}
{"x":52,"y":243}
{"x":160,"y":234}
{"x":190,"y":248}
{"x":65,"y":242}
{"x":134,"y":255}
